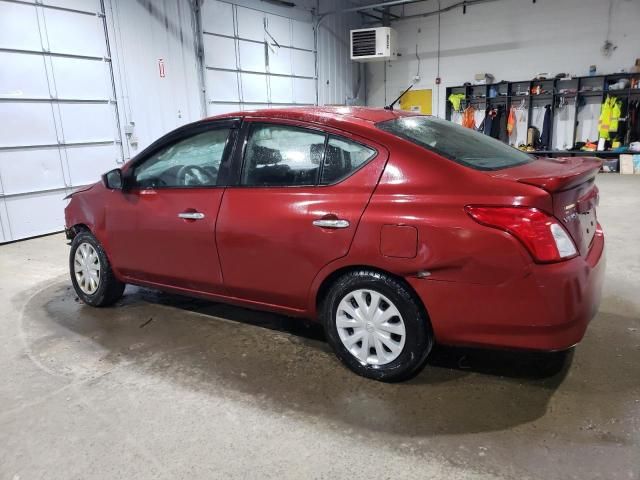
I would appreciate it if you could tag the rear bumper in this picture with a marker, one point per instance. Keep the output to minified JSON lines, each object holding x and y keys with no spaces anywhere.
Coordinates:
{"x":547,"y":309}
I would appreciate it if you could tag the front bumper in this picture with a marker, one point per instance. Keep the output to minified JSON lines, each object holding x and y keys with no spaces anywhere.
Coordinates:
{"x":547,"y":309}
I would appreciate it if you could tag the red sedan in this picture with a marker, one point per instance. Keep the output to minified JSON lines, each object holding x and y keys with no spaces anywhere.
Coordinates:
{"x":394,"y":230}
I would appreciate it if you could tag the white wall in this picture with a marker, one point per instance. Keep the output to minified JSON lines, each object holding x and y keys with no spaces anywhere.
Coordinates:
{"x":512,"y":39}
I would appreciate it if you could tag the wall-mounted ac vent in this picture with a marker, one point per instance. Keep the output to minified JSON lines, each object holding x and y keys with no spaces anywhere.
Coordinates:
{"x":371,"y":44}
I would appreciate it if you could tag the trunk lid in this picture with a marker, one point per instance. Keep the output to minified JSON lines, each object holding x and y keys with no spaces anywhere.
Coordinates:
{"x":571,"y":183}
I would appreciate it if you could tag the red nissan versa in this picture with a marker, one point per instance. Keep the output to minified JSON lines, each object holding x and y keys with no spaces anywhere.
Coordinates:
{"x":395,"y":230}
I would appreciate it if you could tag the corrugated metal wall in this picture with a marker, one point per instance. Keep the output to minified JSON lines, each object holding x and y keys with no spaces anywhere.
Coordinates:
{"x":155,"y":66}
{"x":340,"y":81}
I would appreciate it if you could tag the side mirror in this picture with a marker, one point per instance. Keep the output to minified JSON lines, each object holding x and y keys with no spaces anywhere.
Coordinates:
{"x":113,"y":179}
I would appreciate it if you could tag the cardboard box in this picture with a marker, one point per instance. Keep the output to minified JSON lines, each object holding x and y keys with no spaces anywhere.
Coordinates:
{"x":483,"y":78}
{"x":630,"y":164}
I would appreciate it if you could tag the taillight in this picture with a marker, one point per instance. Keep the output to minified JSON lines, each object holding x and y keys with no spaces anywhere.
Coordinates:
{"x":539,"y":232}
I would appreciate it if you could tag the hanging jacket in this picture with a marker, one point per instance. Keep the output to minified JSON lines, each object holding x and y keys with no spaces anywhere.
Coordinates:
{"x":469,"y":117}
{"x":616,"y":110}
{"x":503,"y":136}
{"x":495,"y":124}
{"x":609,"y":117}
{"x":455,"y":99}
{"x":633,"y":132}
{"x":511,"y":122}
{"x":604,"y":122}
{"x":545,"y":137}
{"x":488,"y":121}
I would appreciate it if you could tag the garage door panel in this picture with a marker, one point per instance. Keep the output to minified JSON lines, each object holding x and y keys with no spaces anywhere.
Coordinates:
{"x":87,"y":164}
{"x":35,"y":214}
{"x":222,"y":86}
{"x":24,"y":171}
{"x":303,"y":63}
{"x":280,"y":61}
{"x":87,"y":122}
{"x":19,"y":27}
{"x":250,"y":24}
{"x":248,"y":107}
{"x":304,"y":90}
{"x":31,"y":124}
{"x":252,"y":56}
{"x":26,"y":78}
{"x":49,"y":100}
{"x":254,"y":87}
{"x":281,"y":89}
{"x":276,"y":75}
{"x":217,"y":17}
{"x":280,"y":29}
{"x":92,"y":6}
{"x":85,"y":38}
{"x":220,"y":108}
{"x":81,"y":79}
{"x":302,"y":34}
{"x":4,"y":223}
{"x":219,"y":52}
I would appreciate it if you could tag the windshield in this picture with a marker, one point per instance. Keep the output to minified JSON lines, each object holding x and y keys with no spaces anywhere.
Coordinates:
{"x":460,"y":144}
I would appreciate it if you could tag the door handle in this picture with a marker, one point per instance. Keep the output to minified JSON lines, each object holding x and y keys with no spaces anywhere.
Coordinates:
{"x":191,"y":215}
{"x":331,"y":223}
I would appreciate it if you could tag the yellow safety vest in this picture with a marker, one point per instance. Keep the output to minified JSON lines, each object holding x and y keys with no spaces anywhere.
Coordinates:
{"x":609,"y":117}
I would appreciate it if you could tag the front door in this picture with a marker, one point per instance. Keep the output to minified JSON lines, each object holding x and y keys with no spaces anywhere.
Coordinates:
{"x":162,"y":230}
{"x":300,"y":197}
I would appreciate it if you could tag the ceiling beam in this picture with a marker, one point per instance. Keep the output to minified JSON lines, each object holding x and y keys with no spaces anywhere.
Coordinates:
{"x":389,"y":3}
{"x":392,"y":15}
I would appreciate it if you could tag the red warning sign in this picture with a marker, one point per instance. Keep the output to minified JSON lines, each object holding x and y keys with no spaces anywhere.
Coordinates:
{"x":161,"y":67}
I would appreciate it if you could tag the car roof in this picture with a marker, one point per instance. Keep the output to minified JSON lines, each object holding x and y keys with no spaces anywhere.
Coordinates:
{"x":334,"y":116}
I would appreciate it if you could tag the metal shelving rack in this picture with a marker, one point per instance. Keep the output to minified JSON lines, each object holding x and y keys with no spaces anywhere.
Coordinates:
{"x":587,"y":89}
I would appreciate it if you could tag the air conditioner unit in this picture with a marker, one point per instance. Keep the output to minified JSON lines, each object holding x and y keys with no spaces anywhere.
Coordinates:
{"x":372,"y":44}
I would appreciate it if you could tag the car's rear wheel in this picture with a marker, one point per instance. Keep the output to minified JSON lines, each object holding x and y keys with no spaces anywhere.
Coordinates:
{"x":376,"y":326}
{"x":91,"y":274}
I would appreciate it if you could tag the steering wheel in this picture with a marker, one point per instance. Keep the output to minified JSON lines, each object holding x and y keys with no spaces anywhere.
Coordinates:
{"x":193,"y":175}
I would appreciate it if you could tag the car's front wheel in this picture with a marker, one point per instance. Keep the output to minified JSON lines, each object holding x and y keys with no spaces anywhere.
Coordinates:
{"x":91,"y":274}
{"x":376,"y":326}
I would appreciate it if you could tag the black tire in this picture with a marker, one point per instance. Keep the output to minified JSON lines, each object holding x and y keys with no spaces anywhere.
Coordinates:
{"x":418,"y":338}
{"x":109,"y":289}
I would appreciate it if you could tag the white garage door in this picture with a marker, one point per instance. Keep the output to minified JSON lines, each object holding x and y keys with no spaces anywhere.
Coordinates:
{"x":254,"y":59}
{"x":57,"y":108}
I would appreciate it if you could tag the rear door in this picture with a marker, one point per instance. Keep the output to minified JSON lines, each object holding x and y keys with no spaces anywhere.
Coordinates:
{"x":161,"y":229}
{"x":299,"y":197}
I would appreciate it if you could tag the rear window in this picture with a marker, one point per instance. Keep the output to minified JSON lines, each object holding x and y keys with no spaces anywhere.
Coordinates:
{"x":460,"y":144}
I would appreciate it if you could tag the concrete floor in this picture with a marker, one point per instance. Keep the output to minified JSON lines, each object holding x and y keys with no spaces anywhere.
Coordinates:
{"x":166,"y":387}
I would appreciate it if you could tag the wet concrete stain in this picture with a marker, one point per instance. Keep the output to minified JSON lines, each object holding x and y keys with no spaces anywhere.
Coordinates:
{"x":518,"y":414}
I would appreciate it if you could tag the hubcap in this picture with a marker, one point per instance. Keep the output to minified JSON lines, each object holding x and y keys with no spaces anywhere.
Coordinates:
{"x":370,"y":327}
{"x":86,"y":267}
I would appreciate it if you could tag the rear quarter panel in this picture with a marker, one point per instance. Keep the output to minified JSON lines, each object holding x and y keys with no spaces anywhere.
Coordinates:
{"x":420,"y":189}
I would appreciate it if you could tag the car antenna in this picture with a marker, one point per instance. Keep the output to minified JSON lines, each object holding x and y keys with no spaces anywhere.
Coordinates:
{"x":390,"y":106}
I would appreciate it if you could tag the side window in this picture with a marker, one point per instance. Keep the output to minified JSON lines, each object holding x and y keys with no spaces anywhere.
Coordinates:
{"x":192,"y":162}
{"x":343,"y":157}
{"x":279,"y":155}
